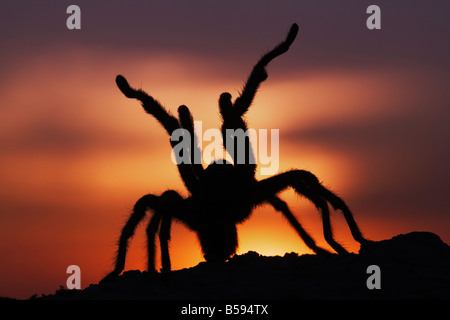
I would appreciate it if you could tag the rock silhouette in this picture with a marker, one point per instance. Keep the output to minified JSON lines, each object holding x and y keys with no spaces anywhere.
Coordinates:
{"x":413,"y":266}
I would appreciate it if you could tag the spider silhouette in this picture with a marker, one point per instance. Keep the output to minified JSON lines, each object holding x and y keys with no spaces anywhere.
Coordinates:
{"x":223,"y":195}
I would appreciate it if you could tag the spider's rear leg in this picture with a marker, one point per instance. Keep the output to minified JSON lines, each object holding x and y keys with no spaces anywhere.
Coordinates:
{"x":148,"y":201}
{"x":339,"y":204}
{"x":164,"y":237}
{"x":167,"y":209}
{"x":322,"y":206}
{"x":163,"y":221}
{"x":306,"y":184}
{"x":163,"y":207}
{"x":152,"y":229}
{"x":281,"y":206}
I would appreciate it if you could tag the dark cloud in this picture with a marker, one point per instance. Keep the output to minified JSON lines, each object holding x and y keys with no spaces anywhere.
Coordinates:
{"x":332,"y":35}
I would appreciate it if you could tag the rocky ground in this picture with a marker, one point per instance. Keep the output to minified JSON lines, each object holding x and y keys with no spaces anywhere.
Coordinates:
{"x":411,"y":266}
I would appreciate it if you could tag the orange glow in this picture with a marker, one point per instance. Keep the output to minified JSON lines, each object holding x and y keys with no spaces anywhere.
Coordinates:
{"x":65,"y":200}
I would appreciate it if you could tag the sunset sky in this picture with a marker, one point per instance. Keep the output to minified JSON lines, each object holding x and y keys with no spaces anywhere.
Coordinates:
{"x":367,"y":111}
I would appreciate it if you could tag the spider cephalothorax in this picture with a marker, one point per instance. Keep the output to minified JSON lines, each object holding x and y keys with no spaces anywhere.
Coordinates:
{"x":223,"y":195}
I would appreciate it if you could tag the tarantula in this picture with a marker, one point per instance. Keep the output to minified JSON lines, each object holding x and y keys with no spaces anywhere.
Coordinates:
{"x":223,"y":195}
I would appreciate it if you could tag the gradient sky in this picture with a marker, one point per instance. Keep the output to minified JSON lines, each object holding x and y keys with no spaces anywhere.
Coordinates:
{"x":366,"y":111}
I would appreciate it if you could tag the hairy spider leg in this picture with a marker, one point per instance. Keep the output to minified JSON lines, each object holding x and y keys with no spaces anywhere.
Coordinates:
{"x":168,"y":121}
{"x":186,"y":121}
{"x":322,"y":205}
{"x":164,"y":238}
{"x":232,"y":120}
{"x":152,"y":229}
{"x":259,"y":73}
{"x":163,"y":211}
{"x":232,"y":113}
{"x":339,"y":204}
{"x":306,"y":184}
{"x":170,"y":203}
{"x":146,"y":202}
{"x":150,"y":105}
{"x":282,"y":207}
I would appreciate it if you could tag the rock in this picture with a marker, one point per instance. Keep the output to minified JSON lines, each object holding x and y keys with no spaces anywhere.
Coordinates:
{"x":414,"y":246}
{"x":412,"y":266}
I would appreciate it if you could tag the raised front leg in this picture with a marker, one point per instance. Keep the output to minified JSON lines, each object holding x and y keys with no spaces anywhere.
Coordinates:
{"x":232,"y":113}
{"x":259,"y":73}
{"x":169,"y":122}
{"x":150,"y":105}
{"x":187,"y":122}
{"x":243,"y":158}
